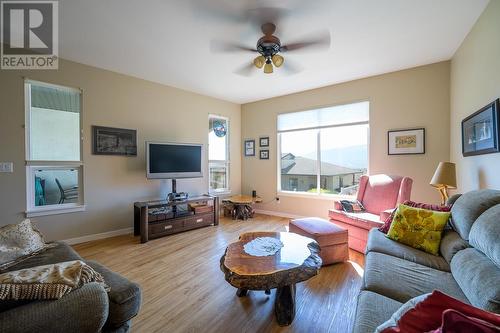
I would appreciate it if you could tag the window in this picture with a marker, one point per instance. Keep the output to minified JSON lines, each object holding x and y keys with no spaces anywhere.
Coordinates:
{"x":218,"y":154}
{"x":323,"y":151}
{"x":54,"y":167}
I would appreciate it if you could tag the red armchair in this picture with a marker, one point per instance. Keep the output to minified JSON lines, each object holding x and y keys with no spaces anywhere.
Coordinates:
{"x":379,"y":194}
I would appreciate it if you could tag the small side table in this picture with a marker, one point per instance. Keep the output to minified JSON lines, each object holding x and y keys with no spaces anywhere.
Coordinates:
{"x":242,"y":206}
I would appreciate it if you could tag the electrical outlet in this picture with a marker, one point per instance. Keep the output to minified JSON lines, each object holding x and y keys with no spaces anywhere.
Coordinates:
{"x":6,"y":167}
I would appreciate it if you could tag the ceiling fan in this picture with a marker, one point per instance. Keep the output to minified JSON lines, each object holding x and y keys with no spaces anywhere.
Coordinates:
{"x":270,"y":49}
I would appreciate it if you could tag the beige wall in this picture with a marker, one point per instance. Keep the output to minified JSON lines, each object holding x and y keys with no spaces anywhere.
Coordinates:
{"x":417,"y":97}
{"x":475,"y":82}
{"x":112,"y":183}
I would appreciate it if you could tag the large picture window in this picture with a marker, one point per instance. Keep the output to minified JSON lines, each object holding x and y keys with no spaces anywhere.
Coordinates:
{"x":218,"y":154}
{"x":323,"y":151}
{"x":54,"y":166}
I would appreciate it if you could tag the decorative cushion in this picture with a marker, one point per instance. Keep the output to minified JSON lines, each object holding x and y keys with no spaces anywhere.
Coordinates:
{"x":437,"y":208}
{"x":352,"y":206}
{"x":457,"y":322}
{"x":396,"y":316}
{"x":418,"y":228}
{"x":19,"y":240}
{"x":47,"y":282}
{"x":424,"y":313}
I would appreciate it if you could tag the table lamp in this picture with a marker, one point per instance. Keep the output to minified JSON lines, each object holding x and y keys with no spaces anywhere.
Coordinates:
{"x":444,"y":178}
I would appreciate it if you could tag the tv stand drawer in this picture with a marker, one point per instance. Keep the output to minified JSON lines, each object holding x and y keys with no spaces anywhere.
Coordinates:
{"x":198,"y":221}
{"x":165,"y":228}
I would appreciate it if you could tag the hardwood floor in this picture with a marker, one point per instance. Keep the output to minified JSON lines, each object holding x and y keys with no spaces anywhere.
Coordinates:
{"x":185,"y":291}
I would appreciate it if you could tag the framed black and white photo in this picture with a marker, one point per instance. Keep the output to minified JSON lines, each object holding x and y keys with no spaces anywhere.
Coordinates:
{"x":480,"y":131}
{"x":264,"y":154}
{"x":114,"y":141}
{"x":406,"y":142}
{"x":249,"y":147}
{"x":264,"y":141}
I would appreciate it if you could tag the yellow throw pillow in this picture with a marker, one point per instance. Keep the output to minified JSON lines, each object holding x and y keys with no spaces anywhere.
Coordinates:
{"x":418,"y":228}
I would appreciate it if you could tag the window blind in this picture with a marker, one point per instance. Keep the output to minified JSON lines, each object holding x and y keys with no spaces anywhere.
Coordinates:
{"x":329,"y":116}
{"x":55,"y":99}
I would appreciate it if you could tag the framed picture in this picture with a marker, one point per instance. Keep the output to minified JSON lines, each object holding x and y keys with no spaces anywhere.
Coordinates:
{"x":480,"y":131}
{"x":249,"y":147}
{"x":406,"y":142}
{"x":114,"y":141}
{"x":264,"y":154}
{"x":264,"y":141}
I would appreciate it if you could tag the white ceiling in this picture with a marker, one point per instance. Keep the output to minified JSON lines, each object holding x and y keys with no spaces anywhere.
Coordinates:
{"x":168,"y":41}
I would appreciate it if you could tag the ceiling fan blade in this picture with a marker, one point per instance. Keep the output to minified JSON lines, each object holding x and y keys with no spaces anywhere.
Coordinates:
{"x":259,"y":16}
{"x":290,"y":67}
{"x":217,"y":46}
{"x":318,"y":40}
{"x":220,"y":10}
{"x":246,"y":70}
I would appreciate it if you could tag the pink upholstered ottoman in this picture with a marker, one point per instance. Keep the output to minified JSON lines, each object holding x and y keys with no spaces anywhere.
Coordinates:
{"x":331,"y":238}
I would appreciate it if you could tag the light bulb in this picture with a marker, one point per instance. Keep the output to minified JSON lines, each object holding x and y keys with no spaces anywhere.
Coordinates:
{"x":278,"y":60}
{"x":268,"y":68}
{"x":259,"y":61}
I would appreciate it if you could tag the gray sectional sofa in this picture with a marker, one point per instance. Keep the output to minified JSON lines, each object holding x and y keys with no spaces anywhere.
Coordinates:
{"x":468,"y":267}
{"x":87,"y":309}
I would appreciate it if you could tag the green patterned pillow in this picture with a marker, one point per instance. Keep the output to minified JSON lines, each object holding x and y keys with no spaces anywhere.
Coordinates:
{"x":418,"y":228}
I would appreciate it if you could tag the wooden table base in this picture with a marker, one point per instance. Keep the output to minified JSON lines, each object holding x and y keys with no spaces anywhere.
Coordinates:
{"x":242,"y":212}
{"x":284,"y":303}
{"x":296,"y":261}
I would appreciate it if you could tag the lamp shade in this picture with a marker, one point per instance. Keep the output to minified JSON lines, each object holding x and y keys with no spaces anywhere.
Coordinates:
{"x":445,"y":175}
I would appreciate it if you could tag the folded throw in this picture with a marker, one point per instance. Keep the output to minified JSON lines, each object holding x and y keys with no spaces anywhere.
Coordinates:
{"x":48,"y":281}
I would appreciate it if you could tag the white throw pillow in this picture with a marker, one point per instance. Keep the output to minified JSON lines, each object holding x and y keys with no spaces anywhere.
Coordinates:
{"x":19,"y":240}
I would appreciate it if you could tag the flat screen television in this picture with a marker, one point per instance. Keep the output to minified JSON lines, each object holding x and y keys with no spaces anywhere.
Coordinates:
{"x":173,"y":160}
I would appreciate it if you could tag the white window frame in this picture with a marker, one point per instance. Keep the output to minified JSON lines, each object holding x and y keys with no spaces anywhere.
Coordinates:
{"x":225,"y":163}
{"x":33,"y":165}
{"x":318,"y":194}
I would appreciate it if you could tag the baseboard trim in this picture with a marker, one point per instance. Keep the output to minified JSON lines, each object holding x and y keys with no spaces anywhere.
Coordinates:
{"x":279,"y":214}
{"x":107,"y":234}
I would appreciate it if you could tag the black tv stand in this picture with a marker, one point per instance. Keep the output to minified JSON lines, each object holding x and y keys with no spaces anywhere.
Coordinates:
{"x":157,"y":218}
{"x":174,"y":196}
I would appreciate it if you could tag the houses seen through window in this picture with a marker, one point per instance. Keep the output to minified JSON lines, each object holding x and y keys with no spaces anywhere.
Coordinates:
{"x":324,"y":151}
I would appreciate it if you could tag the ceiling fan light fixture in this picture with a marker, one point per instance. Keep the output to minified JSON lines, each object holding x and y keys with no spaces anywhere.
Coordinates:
{"x":259,"y":61}
{"x":268,"y":67}
{"x":278,"y":60}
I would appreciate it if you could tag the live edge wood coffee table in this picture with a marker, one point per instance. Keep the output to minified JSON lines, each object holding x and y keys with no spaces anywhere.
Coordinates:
{"x":298,"y":260}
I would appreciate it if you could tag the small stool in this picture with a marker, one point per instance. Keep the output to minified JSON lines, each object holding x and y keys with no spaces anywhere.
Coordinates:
{"x":331,"y":238}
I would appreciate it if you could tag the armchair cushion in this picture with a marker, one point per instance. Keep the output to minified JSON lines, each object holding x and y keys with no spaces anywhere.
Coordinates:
{"x":124,"y":296}
{"x":382,"y":192}
{"x":378,"y":242}
{"x":83,"y":310}
{"x":362,"y":220}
